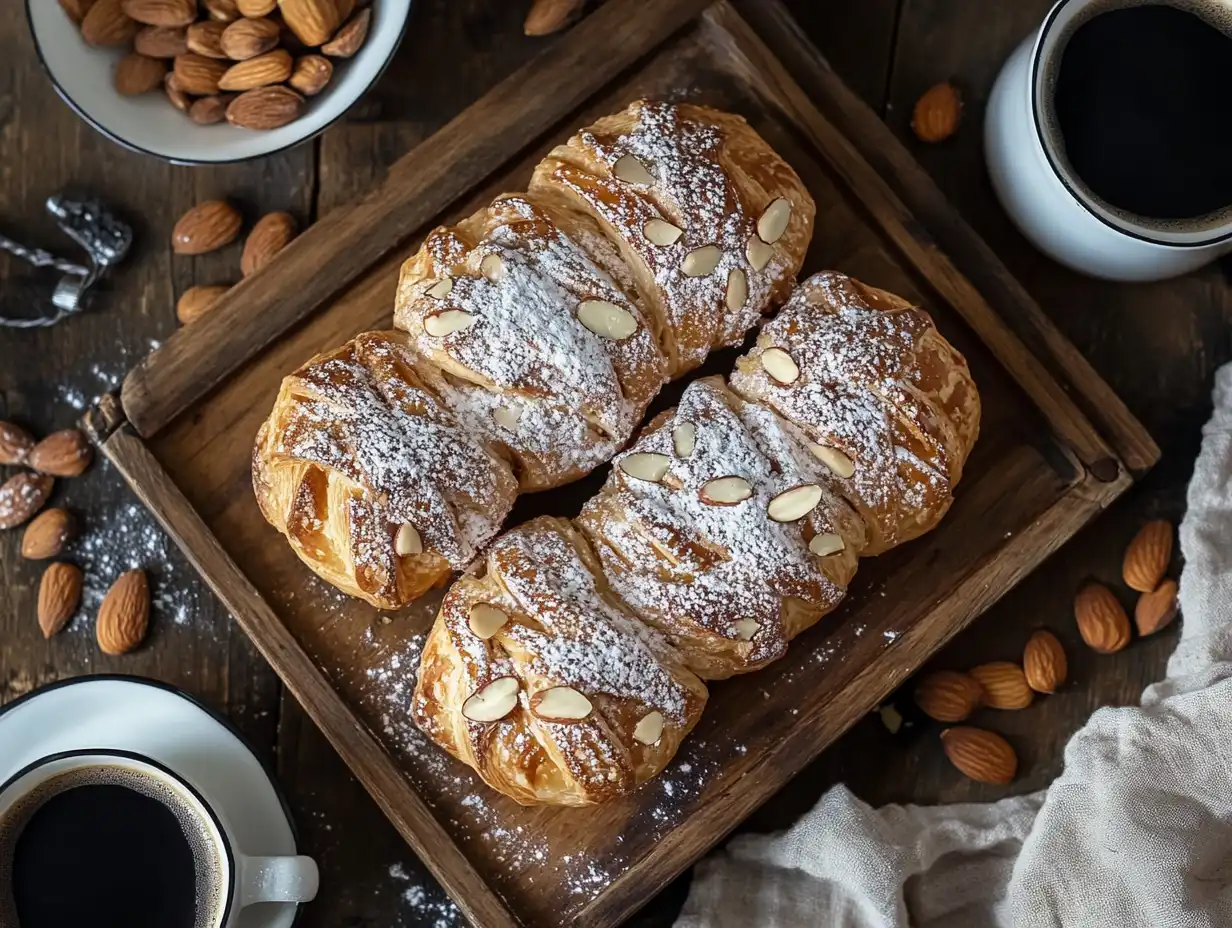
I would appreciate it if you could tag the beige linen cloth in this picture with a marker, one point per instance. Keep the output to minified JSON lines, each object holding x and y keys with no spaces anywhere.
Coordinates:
{"x":1137,"y":830}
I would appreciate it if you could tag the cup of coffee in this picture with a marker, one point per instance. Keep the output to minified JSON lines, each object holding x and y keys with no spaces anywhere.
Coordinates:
{"x":1108,"y":136}
{"x":108,"y":837}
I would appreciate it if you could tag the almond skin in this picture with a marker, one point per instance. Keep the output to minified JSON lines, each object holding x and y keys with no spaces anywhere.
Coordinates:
{"x":1101,"y":619}
{"x":1044,"y":663}
{"x":59,"y":596}
{"x":223,"y":11}
{"x":937,"y":113}
{"x":124,"y":614}
{"x":197,"y":74}
{"x":47,"y":534}
{"x":265,"y":108}
{"x":256,"y":8}
{"x":272,"y":233}
{"x":351,"y":37}
{"x":66,"y":453}
{"x":1157,"y":609}
{"x":548,"y":16}
{"x":1005,"y":685}
{"x":271,"y":68}
{"x":21,"y":496}
{"x":1147,"y":557}
{"x":76,"y":9}
{"x":310,"y":74}
{"x":161,"y":41}
{"x":205,"y":38}
{"x":106,"y":25}
{"x":197,"y":301}
{"x":137,"y":74}
{"x":206,"y":111}
{"x":982,"y":755}
{"x":179,"y":99}
{"x":206,"y":227}
{"x":312,"y":21}
{"x":15,"y":443}
{"x":247,"y":38}
{"x":948,"y":696}
{"x":161,"y":12}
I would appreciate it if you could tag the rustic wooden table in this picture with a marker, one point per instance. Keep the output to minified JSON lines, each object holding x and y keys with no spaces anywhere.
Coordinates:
{"x":1158,"y":346}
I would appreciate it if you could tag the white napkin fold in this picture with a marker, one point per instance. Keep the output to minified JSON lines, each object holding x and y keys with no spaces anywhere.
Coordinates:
{"x":1137,"y":830}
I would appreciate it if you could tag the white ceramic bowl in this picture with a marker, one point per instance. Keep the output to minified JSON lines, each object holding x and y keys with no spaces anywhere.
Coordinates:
{"x":150,"y":124}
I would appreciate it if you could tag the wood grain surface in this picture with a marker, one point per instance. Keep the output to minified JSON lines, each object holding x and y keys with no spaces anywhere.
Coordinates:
{"x":1156,"y":345}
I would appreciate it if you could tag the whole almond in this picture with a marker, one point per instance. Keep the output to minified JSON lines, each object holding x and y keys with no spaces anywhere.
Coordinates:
{"x":137,"y":74}
{"x":15,"y":443}
{"x":255,"y":9}
{"x":21,"y":496}
{"x":351,"y":37}
{"x":313,"y":21}
{"x":247,"y":38}
{"x":310,"y":74}
{"x":1005,"y":685}
{"x":206,"y":111}
{"x":59,"y":596}
{"x":198,"y":74}
{"x":197,"y":301}
{"x":937,"y":113}
{"x":982,"y":755}
{"x":223,"y":11}
{"x":548,"y":16}
{"x":948,"y":696}
{"x":161,"y":12}
{"x":161,"y":41}
{"x":346,"y":8}
{"x":1147,"y":557}
{"x":1157,"y":609}
{"x":179,"y":99}
{"x":105,"y":24}
{"x":271,"y":68}
{"x":265,"y":108}
{"x":47,"y":534}
{"x":65,"y":453}
{"x":124,"y":614}
{"x":272,"y":233}
{"x":76,"y":9}
{"x":1044,"y":662}
{"x":1102,"y":621}
{"x":206,"y":227}
{"x":205,"y":38}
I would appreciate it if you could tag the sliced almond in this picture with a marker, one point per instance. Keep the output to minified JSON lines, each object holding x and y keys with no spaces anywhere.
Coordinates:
{"x":795,"y":503}
{"x":773,"y":222}
{"x":737,"y":289}
{"x":607,"y":320}
{"x":826,"y":544}
{"x":746,"y":628}
{"x":448,"y":321}
{"x":492,"y":702}
{"x":839,"y":464}
{"x":725,"y":491}
{"x":442,"y":288}
{"x":492,"y":267}
{"x":507,"y":416}
{"x":560,"y":704}
{"x":701,"y":261}
{"x":650,"y":729}
{"x":408,"y":541}
{"x":661,"y":232}
{"x":485,"y":620}
{"x":780,"y":365}
{"x":632,"y":171}
{"x":758,"y":252}
{"x":646,"y":465}
{"x":684,"y":439}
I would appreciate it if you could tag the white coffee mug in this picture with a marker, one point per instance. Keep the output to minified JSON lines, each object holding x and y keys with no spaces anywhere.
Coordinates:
{"x":239,"y":880}
{"x":1054,"y":208}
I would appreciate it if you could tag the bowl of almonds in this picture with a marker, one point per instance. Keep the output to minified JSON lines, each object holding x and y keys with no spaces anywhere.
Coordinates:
{"x":212,"y":81}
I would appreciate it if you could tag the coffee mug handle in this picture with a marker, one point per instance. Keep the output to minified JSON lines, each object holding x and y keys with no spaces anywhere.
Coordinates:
{"x":277,"y":879}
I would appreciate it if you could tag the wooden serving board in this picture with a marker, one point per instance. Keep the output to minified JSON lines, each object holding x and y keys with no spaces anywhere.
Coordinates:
{"x":1056,"y":447}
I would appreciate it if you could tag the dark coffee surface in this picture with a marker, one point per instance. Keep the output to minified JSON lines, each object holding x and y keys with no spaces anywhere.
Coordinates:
{"x":103,"y":856}
{"x":1144,"y":103}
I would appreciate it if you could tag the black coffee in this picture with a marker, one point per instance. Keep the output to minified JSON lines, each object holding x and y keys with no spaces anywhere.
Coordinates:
{"x":107,"y":848}
{"x":1143,"y":101}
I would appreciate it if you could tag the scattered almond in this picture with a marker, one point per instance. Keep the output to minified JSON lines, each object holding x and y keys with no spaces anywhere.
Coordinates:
{"x":1102,"y":621}
{"x":196,"y":301}
{"x":561,"y":704}
{"x":265,"y":108}
{"x":948,"y":696}
{"x":206,"y":111}
{"x":66,"y":453}
{"x":937,"y":113}
{"x":1044,"y":662}
{"x":124,"y":614}
{"x":310,"y":74}
{"x":21,"y":496}
{"x":161,"y":41}
{"x":1147,"y":557}
{"x":492,"y":702}
{"x":982,"y":755}
{"x":313,"y":21}
{"x":206,"y":227}
{"x":15,"y":443}
{"x":59,"y":596}
{"x":725,"y":491}
{"x":105,"y":25}
{"x":1005,"y":685}
{"x":47,"y":534}
{"x":272,"y":233}
{"x":1157,"y":609}
{"x":548,"y":16}
{"x":197,"y":74}
{"x":161,"y":12}
{"x":248,"y":38}
{"x":351,"y":37}
{"x":271,"y":68}
{"x":137,"y":74}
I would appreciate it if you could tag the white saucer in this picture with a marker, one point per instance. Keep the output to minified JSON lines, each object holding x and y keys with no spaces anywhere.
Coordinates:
{"x":160,"y":722}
